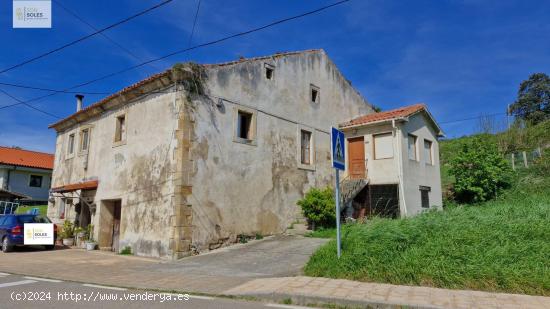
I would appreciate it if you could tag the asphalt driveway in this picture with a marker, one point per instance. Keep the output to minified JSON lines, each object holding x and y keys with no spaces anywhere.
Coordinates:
{"x":212,"y":273}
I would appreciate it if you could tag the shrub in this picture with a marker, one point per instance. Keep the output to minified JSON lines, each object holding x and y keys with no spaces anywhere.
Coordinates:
{"x":479,"y":171}
{"x":319,"y":207}
{"x":127,"y":250}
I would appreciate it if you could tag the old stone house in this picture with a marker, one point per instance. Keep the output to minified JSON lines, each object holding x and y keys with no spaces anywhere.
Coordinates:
{"x":392,"y":166}
{"x":188,"y":159}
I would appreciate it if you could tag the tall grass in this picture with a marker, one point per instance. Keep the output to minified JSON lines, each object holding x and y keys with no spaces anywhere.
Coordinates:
{"x":502,"y":245}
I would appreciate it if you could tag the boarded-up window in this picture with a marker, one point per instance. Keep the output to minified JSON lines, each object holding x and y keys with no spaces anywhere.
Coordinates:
{"x":425,"y":196}
{"x":120,"y":132}
{"x":84,"y":139}
{"x":412,"y":147}
{"x":383,"y":146}
{"x":70,"y":146}
{"x":305,"y":147}
{"x":428,"y":153}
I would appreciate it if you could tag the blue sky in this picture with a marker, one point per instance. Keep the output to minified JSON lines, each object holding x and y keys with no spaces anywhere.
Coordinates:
{"x":463,"y":58}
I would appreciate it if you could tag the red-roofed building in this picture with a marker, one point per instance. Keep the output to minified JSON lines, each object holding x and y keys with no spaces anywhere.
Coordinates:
{"x":25,"y":174}
{"x":394,"y":158}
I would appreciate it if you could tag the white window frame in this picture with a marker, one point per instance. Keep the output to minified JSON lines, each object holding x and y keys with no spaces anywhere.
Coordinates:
{"x":70,"y":154}
{"x":416,"y":154}
{"x":312,"y":153}
{"x":81,"y":140}
{"x":374,"y":145}
{"x":252,"y":140}
{"x":430,"y":159}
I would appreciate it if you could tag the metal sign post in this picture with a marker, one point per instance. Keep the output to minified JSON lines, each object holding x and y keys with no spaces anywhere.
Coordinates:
{"x":338,"y":155}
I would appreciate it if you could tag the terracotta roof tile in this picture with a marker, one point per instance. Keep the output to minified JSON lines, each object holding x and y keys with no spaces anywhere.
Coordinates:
{"x":27,"y":158}
{"x":387,"y":115}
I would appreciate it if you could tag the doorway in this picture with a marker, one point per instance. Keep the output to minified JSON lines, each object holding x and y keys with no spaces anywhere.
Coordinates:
{"x":109,"y":225}
{"x":356,"y":157}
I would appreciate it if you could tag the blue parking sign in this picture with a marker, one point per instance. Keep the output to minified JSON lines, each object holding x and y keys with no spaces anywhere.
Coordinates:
{"x":338,"y":149}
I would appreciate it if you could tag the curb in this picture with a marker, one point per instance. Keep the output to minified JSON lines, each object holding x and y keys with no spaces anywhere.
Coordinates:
{"x":305,"y":300}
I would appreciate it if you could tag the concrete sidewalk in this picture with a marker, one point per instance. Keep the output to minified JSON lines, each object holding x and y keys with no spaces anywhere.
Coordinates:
{"x":309,"y":290}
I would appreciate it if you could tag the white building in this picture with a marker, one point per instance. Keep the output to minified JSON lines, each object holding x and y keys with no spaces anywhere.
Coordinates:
{"x":392,"y":164}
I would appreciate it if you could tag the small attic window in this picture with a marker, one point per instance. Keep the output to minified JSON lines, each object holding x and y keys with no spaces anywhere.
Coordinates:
{"x":315,"y":93}
{"x":269,"y":70}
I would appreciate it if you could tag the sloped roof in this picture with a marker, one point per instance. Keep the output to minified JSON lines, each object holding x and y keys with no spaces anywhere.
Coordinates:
{"x":26,"y":158}
{"x":167,"y":75}
{"x":398,"y":113}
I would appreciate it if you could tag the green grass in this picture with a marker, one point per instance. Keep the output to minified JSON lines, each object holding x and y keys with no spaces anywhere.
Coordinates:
{"x":501,"y":245}
{"x":42,"y":209}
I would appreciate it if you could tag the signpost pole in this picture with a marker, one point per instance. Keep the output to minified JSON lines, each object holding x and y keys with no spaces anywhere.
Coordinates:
{"x":338,"y":155}
{"x":338,"y":244}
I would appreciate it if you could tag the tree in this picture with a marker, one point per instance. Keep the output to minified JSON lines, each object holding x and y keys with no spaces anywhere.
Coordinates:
{"x":533,"y":102}
{"x":479,"y":170}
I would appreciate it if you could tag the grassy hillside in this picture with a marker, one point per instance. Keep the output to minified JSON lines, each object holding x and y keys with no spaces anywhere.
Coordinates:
{"x":502,"y":245}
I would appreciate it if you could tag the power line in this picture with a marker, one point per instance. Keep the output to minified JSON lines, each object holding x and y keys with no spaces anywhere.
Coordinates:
{"x":244,"y":33}
{"x":82,"y":20}
{"x":472,"y":118}
{"x":27,"y":105}
{"x":86,"y":37}
{"x":50,"y":89}
{"x":194,"y":23}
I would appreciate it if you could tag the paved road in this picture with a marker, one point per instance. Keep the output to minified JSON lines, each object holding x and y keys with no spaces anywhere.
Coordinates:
{"x":15,"y":291}
{"x":211,"y":273}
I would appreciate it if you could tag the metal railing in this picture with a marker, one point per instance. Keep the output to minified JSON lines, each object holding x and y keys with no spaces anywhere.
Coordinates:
{"x":7,"y":208}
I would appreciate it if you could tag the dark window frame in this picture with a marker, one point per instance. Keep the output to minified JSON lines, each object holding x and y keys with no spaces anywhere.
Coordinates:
{"x":41,"y":179}
{"x":425,"y":196}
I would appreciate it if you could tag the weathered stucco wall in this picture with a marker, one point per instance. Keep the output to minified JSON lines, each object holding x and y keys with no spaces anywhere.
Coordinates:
{"x":420,"y":173}
{"x":140,"y":171}
{"x":252,"y":188}
{"x":379,"y":171}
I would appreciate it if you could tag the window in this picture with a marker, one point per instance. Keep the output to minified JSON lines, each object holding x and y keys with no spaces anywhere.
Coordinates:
{"x":269,"y":70}
{"x":315,"y":93}
{"x":425,"y":196}
{"x":428,"y":153}
{"x":84,"y":139}
{"x":383,"y":146}
{"x":35,"y":181}
{"x":244,"y":125}
{"x":305,"y":147}
{"x":120,"y":131}
{"x":70,"y":146}
{"x":412,"y":147}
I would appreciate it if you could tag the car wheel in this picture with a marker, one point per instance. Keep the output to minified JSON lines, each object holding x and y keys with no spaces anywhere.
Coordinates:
{"x":6,"y":246}
{"x":50,"y":247}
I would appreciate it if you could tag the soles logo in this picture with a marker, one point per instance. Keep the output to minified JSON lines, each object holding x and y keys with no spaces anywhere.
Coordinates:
{"x":32,"y":14}
{"x":38,"y":234}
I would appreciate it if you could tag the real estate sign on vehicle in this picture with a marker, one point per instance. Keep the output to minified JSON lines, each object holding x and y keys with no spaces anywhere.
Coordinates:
{"x":38,"y":234}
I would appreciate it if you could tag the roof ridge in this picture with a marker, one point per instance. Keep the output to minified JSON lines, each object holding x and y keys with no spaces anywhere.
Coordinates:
{"x":27,"y":150}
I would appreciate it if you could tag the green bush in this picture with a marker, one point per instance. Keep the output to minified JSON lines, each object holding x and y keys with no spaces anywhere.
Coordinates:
{"x":319,"y":207}
{"x":479,"y":170}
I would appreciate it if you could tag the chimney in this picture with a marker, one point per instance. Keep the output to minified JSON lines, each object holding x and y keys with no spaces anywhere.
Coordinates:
{"x":79,"y":98}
